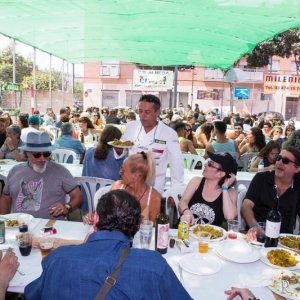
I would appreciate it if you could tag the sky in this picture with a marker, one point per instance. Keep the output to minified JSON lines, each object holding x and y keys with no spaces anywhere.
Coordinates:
{"x":42,"y":58}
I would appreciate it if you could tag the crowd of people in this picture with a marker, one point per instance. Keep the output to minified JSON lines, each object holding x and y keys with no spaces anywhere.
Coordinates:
{"x":39,"y":185}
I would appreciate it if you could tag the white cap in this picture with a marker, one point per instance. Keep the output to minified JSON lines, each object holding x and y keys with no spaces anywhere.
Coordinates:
{"x":175,"y":118}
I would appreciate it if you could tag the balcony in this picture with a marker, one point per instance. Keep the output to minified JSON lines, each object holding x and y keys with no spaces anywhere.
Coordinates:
{"x":217,"y":75}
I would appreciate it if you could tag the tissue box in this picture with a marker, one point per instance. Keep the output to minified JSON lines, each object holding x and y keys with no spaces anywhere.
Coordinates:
{"x":48,"y":231}
{"x":183,"y":248}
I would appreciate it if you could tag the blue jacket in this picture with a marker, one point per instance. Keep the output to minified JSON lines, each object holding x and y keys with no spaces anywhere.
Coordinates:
{"x":78,"y":272}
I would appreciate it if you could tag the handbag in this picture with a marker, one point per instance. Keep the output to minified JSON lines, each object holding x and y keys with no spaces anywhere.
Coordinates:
{"x":110,"y":280}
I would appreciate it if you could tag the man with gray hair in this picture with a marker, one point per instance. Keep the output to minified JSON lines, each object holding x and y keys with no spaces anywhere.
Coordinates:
{"x":39,"y":186}
{"x":67,"y":141}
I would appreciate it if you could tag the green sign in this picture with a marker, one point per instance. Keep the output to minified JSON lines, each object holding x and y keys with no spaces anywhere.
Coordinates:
{"x":12,"y":87}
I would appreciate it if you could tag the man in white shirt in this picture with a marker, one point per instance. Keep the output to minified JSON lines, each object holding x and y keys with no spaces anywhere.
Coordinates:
{"x":33,"y":126}
{"x":149,"y":134}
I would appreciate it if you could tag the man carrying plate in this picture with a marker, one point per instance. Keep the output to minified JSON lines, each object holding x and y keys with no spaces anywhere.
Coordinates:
{"x":39,"y":186}
{"x":149,"y":134}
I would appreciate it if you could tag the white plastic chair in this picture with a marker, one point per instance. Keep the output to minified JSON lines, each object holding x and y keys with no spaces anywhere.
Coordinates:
{"x":241,"y":185}
{"x":61,"y":155}
{"x":192,"y":160}
{"x":55,"y":132}
{"x":246,"y":158}
{"x":174,"y":192}
{"x":241,"y":197}
{"x":90,"y":185}
{"x":99,"y":194}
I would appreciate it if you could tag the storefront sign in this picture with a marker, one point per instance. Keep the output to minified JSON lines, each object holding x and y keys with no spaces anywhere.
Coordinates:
{"x":152,"y":80}
{"x":281,"y":83}
{"x":12,"y":87}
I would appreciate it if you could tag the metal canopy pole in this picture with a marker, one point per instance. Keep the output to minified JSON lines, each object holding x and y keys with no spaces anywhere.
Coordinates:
{"x":175,"y":86}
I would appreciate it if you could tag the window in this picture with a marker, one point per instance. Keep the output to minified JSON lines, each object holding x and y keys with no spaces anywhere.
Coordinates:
{"x":273,"y":66}
{"x":294,"y":68}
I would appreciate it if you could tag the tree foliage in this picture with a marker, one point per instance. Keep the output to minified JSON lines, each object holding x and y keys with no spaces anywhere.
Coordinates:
{"x":285,"y":45}
{"x":78,"y":91}
{"x":23,"y":65}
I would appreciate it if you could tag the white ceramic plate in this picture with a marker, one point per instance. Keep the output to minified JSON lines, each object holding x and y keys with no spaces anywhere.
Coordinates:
{"x":237,"y":251}
{"x":200,"y":264}
{"x":284,"y":235}
{"x":277,"y":285}
{"x":264,"y":259}
{"x":117,"y":146}
{"x":14,"y":217}
{"x":213,"y":226}
{"x":6,"y":161}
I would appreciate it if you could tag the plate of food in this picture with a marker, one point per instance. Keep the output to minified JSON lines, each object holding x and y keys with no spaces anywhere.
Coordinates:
{"x":286,"y":284}
{"x":199,"y":264}
{"x":5,"y":161}
{"x":121,"y":144}
{"x":11,"y":220}
{"x":289,"y":241}
{"x":217,"y":233}
{"x":280,"y":258}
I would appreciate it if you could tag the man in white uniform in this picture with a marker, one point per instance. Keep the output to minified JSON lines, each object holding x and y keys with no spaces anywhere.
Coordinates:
{"x":150,"y":134}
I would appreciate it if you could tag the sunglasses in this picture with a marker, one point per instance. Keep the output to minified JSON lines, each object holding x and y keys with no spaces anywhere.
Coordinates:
{"x":285,"y":160}
{"x":76,"y":115}
{"x":39,"y":154}
{"x":210,"y":164}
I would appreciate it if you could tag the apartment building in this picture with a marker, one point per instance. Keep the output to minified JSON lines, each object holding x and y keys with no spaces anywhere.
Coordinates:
{"x":110,"y":83}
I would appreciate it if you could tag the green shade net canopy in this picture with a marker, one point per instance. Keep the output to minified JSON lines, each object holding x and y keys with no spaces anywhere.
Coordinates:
{"x":210,"y":33}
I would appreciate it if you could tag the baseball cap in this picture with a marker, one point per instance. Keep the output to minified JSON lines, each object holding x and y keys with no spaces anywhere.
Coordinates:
{"x":175,"y":118}
{"x":33,"y":120}
{"x":227,"y":162}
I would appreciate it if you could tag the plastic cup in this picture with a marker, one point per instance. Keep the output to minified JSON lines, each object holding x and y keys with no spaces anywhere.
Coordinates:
{"x":233,"y":229}
{"x":23,"y":221}
{"x":25,"y":243}
{"x":203,"y":241}
{"x":145,"y":230}
{"x":261,"y":228}
{"x":46,"y":245}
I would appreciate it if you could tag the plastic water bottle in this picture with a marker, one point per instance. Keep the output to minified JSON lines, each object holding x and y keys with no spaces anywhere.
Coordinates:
{"x":261,"y":165}
{"x":77,"y":160}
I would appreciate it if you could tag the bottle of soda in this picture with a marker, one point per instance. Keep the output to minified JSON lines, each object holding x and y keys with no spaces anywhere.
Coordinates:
{"x":81,"y":138}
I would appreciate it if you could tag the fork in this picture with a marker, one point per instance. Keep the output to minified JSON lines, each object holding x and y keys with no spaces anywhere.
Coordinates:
{"x":181,"y":276}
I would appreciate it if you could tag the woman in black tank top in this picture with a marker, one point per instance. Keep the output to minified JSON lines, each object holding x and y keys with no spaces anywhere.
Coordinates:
{"x":210,"y":200}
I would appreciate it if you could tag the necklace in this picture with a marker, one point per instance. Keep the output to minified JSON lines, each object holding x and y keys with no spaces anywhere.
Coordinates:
{"x":143,"y":193}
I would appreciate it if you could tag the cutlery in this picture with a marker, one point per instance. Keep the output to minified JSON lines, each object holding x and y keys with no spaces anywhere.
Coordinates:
{"x":180,"y":272}
{"x":186,"y":243}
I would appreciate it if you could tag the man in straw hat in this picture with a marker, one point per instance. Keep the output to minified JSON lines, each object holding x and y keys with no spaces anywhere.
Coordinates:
{"x":39,"y":186}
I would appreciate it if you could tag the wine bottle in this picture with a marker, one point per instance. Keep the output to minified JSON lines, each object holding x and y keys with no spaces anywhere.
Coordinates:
{"x":273,"y":225}
{"x":162,"y":229}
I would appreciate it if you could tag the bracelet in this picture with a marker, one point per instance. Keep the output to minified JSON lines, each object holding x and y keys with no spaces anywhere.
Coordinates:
{"x":184,"y":210}
{"x":253,"y":225}
{"x":224,"y":188}
{"x":13,"y":149}
{"x":2,"y":151}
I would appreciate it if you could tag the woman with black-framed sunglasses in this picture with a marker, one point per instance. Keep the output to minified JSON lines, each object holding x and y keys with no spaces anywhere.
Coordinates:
{"x":210,"y":199}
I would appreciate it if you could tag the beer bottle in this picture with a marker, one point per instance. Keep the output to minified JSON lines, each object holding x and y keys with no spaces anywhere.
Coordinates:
{"x":162,"y":229}
{"x":81,"y":138}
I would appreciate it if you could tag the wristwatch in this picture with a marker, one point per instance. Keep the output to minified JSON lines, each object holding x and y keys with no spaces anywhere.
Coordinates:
{"x":68,"y":207}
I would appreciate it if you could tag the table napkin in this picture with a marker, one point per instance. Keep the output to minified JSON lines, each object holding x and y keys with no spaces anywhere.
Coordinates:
{"x":256,"y":280}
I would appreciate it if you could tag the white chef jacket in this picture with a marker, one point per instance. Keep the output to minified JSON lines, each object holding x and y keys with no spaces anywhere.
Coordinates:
{"x":162,"y":141}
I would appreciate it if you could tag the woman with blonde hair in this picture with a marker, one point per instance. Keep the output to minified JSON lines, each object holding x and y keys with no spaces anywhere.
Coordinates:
{"x":138,"y":173}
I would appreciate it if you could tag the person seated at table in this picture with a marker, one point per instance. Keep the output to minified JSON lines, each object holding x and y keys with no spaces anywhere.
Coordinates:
{"x":190,"y":135}
{"x":39,"y":186}
{"x":210,"y":199}
{"x":11,"y":149}
{"x":22,"y":120}
{"x":284,"y":183}
{"x":275,"y":135}
{"x":238,"y":134}
{"x":185,"y":144}
{"x":269,"y":154}
{"x":33,"y":126}
{"x":88,"y":129}
{"x":63,"y":118}
{"x":267,"y":127}
{"x":112,"y":118}
{"x":104,"y":161}
{"x":2,"y":131}
{"x":51,"y":119}
{"x":8,"y":268}
{"x":144,"y":274}
{"x":253,"y":142}
{"x":246,"y":294}
{"x":203,"y":134}
{"x":137,"y":172}
{"x":221,"y":142}
{"x":130,"y":117}
{"x":294,"y":140}
{"x":67,"y":141}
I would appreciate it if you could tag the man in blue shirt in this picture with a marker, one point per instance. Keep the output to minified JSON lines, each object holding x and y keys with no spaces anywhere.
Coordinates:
{"x":67,"y":141}
{"x":78,"y":272}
